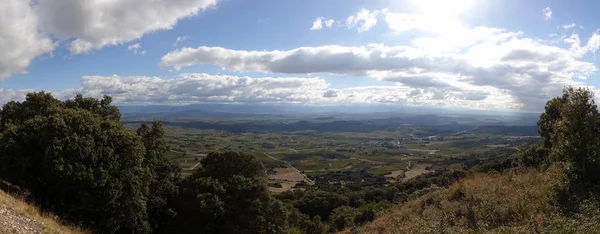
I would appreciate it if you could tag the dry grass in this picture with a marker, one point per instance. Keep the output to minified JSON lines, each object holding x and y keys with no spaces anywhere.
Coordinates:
{"x":514,"y":202}
{"x":20,"y":217}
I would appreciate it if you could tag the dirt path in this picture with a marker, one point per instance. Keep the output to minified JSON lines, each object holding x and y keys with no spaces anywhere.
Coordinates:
{"x":193,"y":167}
{"x":414,"y":173}
{"x":289,"y":165}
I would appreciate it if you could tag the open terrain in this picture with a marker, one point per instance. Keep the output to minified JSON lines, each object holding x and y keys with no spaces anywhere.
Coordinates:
{"x":518,"y":201}
{"x":18,"y":217}
{"x":313,"y":146}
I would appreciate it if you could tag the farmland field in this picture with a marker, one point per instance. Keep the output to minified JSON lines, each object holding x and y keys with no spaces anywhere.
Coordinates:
{"x":294,"y":151}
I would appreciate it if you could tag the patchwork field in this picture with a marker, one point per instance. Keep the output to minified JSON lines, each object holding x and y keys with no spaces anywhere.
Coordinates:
{"x":293,"y":154}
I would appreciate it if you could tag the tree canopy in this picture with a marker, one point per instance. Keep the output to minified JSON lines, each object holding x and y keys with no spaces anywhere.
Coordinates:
{"x":228,"y":194}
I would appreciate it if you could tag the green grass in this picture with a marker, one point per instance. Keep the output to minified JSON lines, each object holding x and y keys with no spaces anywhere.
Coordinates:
{"x":387,"y":168}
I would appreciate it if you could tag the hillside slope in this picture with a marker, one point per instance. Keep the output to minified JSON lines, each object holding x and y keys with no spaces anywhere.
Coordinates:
{"x":19,"y":217}
{"x":513,"y":202}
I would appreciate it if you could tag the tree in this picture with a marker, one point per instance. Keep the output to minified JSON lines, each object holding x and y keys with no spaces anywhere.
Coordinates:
{"x":321,"y":203}
{"x":75,"y":161}
{"x":228,"y":194}
{"x":343,"y":217}
{"x":575,"y":135}
{"x":548,"y":119}
{"x":164,"y":173}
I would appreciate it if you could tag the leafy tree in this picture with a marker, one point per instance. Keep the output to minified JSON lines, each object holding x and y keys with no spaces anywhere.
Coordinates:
{"x":228,"y":194}
{"x":548,"y":119}
{"x":317,"y":226}
{"x":343,"y":217}
{"x":321,"y":203}
{"x":76,"y":161}
{"x":164,"y":172}
{"x":575,"y":137}
{"x":533,"y":156}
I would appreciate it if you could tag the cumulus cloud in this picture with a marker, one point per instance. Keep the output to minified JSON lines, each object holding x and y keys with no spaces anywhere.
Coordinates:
{"x":547,"y":13}
{"x":592,"y":45}
{"x":475,"y":63}
{"x":363,"y":20}
{"x":21,"y":41}
{"x":7,"y":95}
{"x":94,"y":24}
{"x":318,"y":23}
{"x":190,"y":88}
{"x":203,"y":88}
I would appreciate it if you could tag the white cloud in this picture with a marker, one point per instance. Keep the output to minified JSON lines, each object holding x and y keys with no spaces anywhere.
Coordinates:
{"x":329,"y":23}
{"x":593,"y":44}
{"x":474,"y":63}
{"x":94,"y":24}
{"x":135,"y":48}
{"x":191,"y":88}
{"x":180,"y":40}
{"x":569,"y":26}
{"x":318,"y":23}
{"x":363,"y":20}
{"x":204,"y":88}
{"x":20,"y":39}
{"x":547,"y":13}
{"x":7,"y":95}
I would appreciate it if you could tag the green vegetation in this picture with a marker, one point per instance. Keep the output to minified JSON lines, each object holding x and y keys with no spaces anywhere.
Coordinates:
{"x":228,"y":194}
{"x":548,"y":188}
{"x":76,"y":159}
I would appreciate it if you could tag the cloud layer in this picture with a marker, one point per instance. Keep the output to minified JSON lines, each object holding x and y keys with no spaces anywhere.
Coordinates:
{"x":192,"y":88}
{"x":475,"y":62}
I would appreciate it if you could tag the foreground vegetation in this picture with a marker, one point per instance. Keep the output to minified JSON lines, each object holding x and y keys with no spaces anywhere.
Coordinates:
{"x":16,"y":216}
{"x":77,"y":160}
{"x":516,"y":201}
{"x":548,"y":188}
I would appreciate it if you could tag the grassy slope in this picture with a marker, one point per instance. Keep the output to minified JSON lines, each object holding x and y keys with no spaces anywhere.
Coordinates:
{"x":27,"y":218}
{"x":514,"y":202}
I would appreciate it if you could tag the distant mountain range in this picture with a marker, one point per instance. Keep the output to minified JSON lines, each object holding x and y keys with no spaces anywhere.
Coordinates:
{"x":406,"y":115}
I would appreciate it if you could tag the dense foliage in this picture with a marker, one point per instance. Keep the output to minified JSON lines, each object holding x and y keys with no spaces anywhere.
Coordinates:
{"x":228,"y":194}
{"x":76,"y":160}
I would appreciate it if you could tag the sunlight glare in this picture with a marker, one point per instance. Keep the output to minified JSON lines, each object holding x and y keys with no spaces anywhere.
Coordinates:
{"x":443,"y":7}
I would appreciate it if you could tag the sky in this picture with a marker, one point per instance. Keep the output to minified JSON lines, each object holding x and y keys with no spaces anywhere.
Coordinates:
{"x":470,"y":54}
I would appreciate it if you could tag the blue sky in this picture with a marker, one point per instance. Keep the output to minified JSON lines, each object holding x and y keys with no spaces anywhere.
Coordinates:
{"x":479,"y":54}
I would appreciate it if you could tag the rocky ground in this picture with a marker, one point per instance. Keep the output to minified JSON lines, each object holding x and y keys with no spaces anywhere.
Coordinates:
{"x":12,"y":222}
